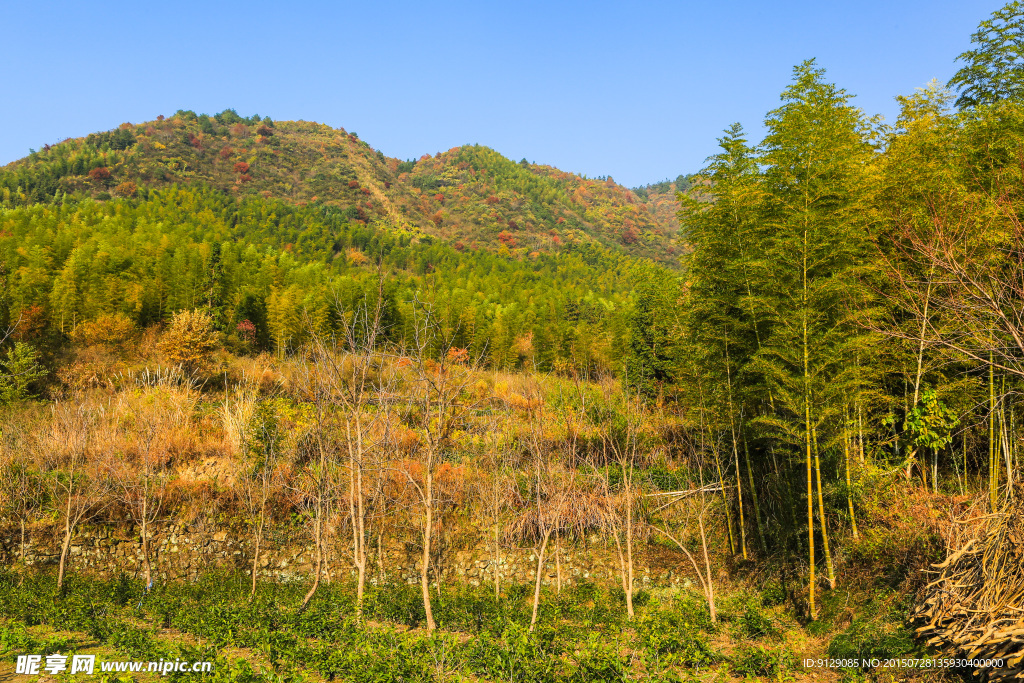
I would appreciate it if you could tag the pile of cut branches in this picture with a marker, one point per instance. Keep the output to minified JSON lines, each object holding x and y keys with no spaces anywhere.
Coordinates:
{"x":975,"y":609}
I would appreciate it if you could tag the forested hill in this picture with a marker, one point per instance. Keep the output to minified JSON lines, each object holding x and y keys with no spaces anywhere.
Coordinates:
{"x":470,"y":196}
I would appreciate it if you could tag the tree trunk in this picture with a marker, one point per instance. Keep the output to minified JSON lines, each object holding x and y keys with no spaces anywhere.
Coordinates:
{"x":707,"y":567}
{"x":558,"y":562}
{"x":428,"y":521}
{"x":920,"y":358}
{"x":497,"y":565}
{"x":739,"y":498}
{"x":24,"y":565}
{"x":860,"y":432}
{"x":629,"y":547}
{"x":736,"y":456}
{"x":144,"y":531}
{"x":318,"y":543}
{"x":357,"y":511}
{"x":808,"y":455}
{"x":145,"y":556}
{"x":993,"y":459}
{"x":849,"y":485}
{"x":256,"y":552}
{"x":810,"y":516}
{"x":540,"y":570}
{"x":65,"y":545}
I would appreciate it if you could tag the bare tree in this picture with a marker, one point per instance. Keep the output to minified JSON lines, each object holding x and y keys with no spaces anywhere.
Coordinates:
{"x":139,"y":474}
{"x":21,"y":486}
{"x":317,"y":483}
{"x":78,"y":487}
{"x":703,"y":503}
{"x":356,"y":375}
{"x":700,"y":495}
{"x":620,"y":436}
{"x":544,"y":516}
{"x":440,"y":406}
{"x":494,"y":489}
{"x":260,"y":440}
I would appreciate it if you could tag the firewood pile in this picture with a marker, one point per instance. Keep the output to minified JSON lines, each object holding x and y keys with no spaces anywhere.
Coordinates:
{"x":975,"y":609}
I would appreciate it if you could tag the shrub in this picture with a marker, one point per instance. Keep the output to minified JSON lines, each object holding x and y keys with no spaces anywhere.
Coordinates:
{"x":773,"y":594}
{"x":112,"y":330}
{"x":126,"y":189}
{"x":676,"y":638}
{"x":864,"y":639}
{"x":754,"y":623}
{"x":755,"y":660}
{"x":189,"y":341}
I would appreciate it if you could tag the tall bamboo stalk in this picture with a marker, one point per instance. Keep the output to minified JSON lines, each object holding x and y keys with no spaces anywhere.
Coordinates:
{"x":736,"y":455}
{"x":849,"y":484}
{"x":821,"y":514}
{"x":753,"y":495}
{"x":807,"y":434}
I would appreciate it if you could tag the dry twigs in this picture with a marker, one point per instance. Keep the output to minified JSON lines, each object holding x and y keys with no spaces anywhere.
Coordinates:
{"x":975,"y":609}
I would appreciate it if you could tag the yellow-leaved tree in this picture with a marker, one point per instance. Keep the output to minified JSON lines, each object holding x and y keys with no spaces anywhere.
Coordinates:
{"x":189,"y":341}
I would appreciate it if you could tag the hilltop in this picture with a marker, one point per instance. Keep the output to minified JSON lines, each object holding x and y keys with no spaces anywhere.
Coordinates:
{"x":471,"y":196}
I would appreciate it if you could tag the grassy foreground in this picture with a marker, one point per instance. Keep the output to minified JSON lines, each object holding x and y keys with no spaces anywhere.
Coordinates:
{"x":582,"y":634}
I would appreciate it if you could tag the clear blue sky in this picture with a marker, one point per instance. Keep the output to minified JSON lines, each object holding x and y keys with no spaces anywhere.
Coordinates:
{"x":638,"y":91}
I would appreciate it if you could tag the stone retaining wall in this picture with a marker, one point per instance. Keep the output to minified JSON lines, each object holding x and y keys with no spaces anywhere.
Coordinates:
{"x":183,"y":552}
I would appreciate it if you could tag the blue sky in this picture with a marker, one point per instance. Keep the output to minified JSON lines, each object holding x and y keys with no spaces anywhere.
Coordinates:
{"x":635,"y":91}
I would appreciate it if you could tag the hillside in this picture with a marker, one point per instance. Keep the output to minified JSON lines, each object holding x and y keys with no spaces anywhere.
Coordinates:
{"x":470,"y":196}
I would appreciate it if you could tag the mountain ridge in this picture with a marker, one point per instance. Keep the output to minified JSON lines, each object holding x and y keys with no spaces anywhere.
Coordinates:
{"x":471,"y":196}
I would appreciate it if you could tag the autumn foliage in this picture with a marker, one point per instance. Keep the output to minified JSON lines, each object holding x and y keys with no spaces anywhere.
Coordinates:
{"x":190,"y":340}
{"x":126,"y":189}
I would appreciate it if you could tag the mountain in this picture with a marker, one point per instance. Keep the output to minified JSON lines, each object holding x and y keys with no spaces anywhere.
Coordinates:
{"x":470,"y":196}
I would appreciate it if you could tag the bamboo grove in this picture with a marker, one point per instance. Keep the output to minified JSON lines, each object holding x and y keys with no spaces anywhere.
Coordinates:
{"x":849,"y":314}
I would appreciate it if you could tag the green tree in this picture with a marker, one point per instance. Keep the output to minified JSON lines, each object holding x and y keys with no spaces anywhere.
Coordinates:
{"x":816,"y":249}
{"x":724,"y":225}
{"x":994,"y":69}
{"x":653,"y":325}
{"x":931,"y":424}
{"x":21,"y":368}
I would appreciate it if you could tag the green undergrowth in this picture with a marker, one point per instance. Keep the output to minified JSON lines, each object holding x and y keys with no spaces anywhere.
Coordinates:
{"x":582,"y":634}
